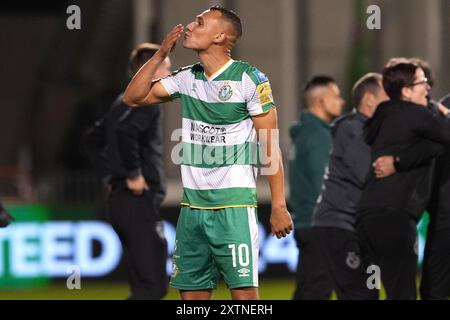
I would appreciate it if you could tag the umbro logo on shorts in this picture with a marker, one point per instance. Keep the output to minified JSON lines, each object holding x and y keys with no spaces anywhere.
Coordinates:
{"x":244,"y":272}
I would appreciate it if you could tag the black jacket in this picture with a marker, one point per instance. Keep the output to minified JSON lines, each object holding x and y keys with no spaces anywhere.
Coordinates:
{"x":345,"y":176}
{"x":127,"y":142}
{"x":439,"y":204}
{"x":396,"y":126}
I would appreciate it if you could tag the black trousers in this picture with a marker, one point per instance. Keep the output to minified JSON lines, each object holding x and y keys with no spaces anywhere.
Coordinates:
{"x":341,"y":249}
{"x":138,"y":225}
{"x":313,"y":281}
{"x":389,"y":238}
{"x":435,"y":284}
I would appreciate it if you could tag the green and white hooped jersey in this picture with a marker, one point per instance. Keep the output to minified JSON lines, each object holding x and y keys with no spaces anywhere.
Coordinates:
{"x":219,"y":144}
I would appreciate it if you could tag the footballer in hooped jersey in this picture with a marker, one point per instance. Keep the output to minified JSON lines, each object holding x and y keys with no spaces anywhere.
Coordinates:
{"x":226,"y":107}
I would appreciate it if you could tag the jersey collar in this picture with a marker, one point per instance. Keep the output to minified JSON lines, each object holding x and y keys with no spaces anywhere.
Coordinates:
{"x":220,"y":71}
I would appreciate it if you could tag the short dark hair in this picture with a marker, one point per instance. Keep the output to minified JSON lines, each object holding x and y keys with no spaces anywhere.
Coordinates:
{"x":141,"y":54}
{"x":318,"y":81}
{"x":397,"y":77}
{"x":426,"y":69}
{"x":232,"y":18}
{"x":370,"y":82}
{"x":417,"y":61}
{"x":396,"y":60}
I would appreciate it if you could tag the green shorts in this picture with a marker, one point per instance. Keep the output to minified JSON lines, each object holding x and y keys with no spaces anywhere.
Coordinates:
{"x":216,"y":243}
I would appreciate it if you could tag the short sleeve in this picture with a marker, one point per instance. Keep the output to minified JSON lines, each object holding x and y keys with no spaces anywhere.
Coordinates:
{"x":173,"y":83}
{"x":257,"y":92}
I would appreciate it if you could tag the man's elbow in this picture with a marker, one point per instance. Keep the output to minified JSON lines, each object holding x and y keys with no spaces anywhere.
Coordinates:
{"x":129,"y":101}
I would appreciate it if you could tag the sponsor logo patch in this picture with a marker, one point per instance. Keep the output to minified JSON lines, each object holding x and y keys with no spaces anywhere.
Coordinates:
{"x":260,"y":76}
{"x":264,"y":93}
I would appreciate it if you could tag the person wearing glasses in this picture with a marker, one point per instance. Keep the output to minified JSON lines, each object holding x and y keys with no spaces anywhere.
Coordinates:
{"x":435,"y":280}
{"x":391,"y":206}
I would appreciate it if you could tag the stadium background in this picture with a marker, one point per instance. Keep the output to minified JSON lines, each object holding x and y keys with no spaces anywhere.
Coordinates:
{"x":56,"y":82}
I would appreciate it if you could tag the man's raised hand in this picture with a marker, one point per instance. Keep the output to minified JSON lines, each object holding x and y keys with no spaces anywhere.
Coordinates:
{"x":170,"y":41}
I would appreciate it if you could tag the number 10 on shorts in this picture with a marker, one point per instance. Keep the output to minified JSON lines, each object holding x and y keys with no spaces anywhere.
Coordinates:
{"x":243,"y":254}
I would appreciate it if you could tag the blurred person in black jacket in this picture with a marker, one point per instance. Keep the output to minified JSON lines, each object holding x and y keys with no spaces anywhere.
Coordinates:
{"x":391,"y":206}
{"x":435,"y":281}
{"x":126,"y":146}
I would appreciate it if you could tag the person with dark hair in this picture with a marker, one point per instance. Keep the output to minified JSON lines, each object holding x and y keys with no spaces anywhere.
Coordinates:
{"x":227,"y":108}
{"x":335,"y":212}
{"x":417,"y":61}
{"x":435,"y":280}
{"x":391,"y":206}
{"x":311,"y":143}
{"x":126,"y":147}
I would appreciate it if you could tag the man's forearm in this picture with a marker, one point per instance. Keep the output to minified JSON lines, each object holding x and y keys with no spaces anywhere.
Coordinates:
{"x":270,"y":156}
{"x":276,"y":184}
{"x":419,"y":154}
{"x":139,"y":87}
{"x":266,"y":128}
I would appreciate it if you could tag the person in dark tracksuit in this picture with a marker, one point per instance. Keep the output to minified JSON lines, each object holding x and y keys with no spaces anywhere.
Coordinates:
{"x":391,"y":206}
{"x":435,"y":281}
{"x":311,"y":138}
{"x":126,"y":146}
{"x":335,"y":212}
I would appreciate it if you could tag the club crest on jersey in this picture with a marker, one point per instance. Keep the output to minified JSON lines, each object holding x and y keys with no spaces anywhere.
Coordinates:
{"x":352,"y":261}
{"x":225,"y":92}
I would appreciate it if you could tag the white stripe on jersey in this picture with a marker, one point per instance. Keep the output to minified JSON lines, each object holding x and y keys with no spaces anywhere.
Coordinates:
{"x":253,"y":229}
{"x":209,"y":91}
{"x":235,"y":176}
{"x":253,"y":106}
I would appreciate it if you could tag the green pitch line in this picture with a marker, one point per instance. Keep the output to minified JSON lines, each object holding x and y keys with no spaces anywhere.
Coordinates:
{"x":270,"y":289}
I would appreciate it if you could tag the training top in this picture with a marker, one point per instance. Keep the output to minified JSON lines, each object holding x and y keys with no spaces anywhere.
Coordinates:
{"x":219,"y":158}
